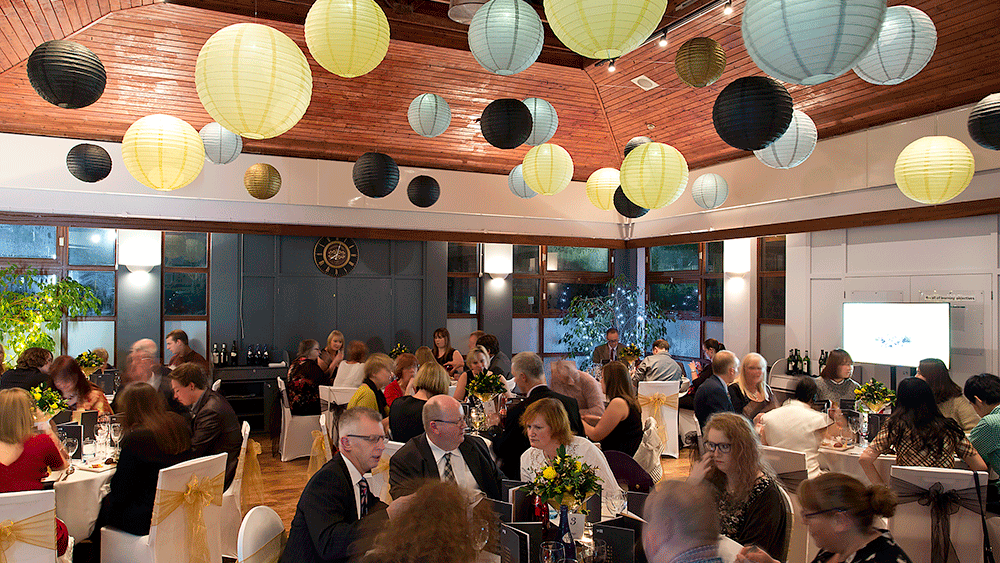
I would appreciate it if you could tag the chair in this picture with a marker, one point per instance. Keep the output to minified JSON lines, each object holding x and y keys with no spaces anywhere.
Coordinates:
{"x":790,"y":467}
{"x":333,"y":401}
{"x":216,"y":385}
{"x":296,"y":431}
{"x":168,"y":540}
{"x":659,"y":400}
{"x":378,"y":483}
{"x":34,"y":516}
{"x":320,"y":452}
{"x":629,"y":472}
{"x":262,"y":536}
{"x":232,"y":501}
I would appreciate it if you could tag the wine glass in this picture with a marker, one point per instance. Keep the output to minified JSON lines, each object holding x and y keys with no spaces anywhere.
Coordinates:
{"x":101,"y":432}
{"x":116,"y":436}
{"x":72,"y":444}
{"x":600,"y":551}
{"x":855,"y":423}
{"x":476,"y":417}
{"x":552,"y":552}
{"x":480,"y":533}
{"x":614,"y":501}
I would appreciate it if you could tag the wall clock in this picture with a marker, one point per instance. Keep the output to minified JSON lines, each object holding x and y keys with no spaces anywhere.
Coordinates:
{"x":335,"y":256}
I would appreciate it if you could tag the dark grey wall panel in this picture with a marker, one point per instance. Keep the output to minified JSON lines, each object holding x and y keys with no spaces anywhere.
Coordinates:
{"x":373,"y":259}
{"x":305,"y":307}
{"x":435,"y":289}
{"x":408,"y":258}
{"x":364,"y":311}
{"x":138,"y":310}
{"x":258,"y":255}
{"x":258,"y":313}
{"x":225,"y":289}
{"x":408,"y":306}
{"x":296,"y":256}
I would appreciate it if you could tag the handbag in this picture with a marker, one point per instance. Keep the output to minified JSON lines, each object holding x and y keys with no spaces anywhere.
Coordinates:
{"x":987,"y":548}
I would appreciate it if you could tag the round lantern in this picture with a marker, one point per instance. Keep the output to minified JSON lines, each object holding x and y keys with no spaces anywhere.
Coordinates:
{"x":603,"y":29}
{"x":810,"y":41}
{"x":163,"y":152}
{"x":462,"y":11}
{"x":794,"y":146}
{"x":934,"y":169}
{"x":253,"y":80}
{"x":709,"y":191}
{"x":601,"y":187}
{"x":751,"y":112}
{"x":625,"y":207}
{"x":654,"y":175}
{"x":347,"y":37}
{"x":262,"y":181}
{"x":984,"y":122}
{"x":423,"y":191}
{"x":88,"y":163}
{"x":506,"y":123}
{"x":429,"y":115}
{"x":700,"y":61}
{"x":547,"y":169}
{"x":506,"y":36}
{"x":904,"y":46}
{"x":544,"y":121}
{"x":375,"y":174}
{"x":517,"y":185}
{"x":635,"y":142}
{"x":66,"y":74}
{"x":222,"y":146}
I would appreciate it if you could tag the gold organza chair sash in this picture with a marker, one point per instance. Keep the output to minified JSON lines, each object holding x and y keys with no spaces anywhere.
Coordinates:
{"x":252,"y":482}
{"x":38,"y":530}
{"x":655,"y":404}
{"x":269,"y":552}
{"x":317,"y":456}
{"x":382,"y":467}
{"x":199,"y":493}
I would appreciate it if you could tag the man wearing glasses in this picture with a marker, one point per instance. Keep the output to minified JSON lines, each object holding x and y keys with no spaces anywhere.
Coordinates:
{"x":607,"y":352}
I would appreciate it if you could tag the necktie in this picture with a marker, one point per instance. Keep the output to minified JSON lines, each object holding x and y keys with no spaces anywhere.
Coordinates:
{"x":363,"y":487}
{"x":449,"y":471}
{"x":614,"y":353}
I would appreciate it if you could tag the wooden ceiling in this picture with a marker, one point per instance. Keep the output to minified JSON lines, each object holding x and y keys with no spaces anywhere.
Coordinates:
{"x":149,"y":50}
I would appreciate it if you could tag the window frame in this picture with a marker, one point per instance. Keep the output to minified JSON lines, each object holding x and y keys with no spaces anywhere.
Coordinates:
{"x":478,"y":276}
{"x":761,"y":275}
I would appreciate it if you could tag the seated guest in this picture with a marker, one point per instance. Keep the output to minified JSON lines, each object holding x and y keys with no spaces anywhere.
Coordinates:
{"x":681,"y":524}
{"x":405,"y":416}
{"x":713,"y":395}
{"x":333,"y":354}
{"x":214,"y":426}
{"x":424,"y":355}
{"x":699,"y":372}
{"x":79,"y":392}
{"x":304,"y":378}
{"x":947,"y":394}
{"x":474,"y":338}
{"x":444,"y":452}
{"x":569,"y":381}
{"x":749,"y":394}
{"x":983,"y":391}
{"x":142,"y":365}
{"x":499,"y":362}
{"x":607,"y":352}
{"x":378,"y":372}
{"x":751,"y":508}
{"x":620,"y":427}
{"x":352,"y":370}
{"x":445,"y":355}
{"x":475,"y":361}
{"x":796,"y":426}
{"x":103,"y":355}
{"x":661,"y":366}
{"x":919,"y":434}
{"x":32,"y":369}
{"x":177,"y":344}
{"x":835,"y":381}
{"x":405,"y":369}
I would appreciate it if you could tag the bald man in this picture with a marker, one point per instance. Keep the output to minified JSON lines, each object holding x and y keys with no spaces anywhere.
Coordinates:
{"x":682,"y":524}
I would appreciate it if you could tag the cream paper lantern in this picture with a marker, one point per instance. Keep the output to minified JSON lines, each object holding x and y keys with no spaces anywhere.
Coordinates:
{"x":253,"y":80}
{"x":934,"y":169}
{"x":347,"y":37}
{"x":547,"y":169}
{"x":654,"y":175}
{"x":506,"y":36}
{"x":601,"y":187}
{"x":429,"y":115}
{"x":709,"y":191}
{"x":544,"y":121}
{"x":603,"y":29}
{"x":905,"y":45}
{"x":163,"y":152}
{"x":794,"y":146}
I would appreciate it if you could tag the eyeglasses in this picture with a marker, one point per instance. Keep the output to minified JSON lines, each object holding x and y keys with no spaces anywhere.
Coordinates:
{"x":460,"y":422}
{"x":373,"y":439}
{"x":723,"y":447}
{"x":817,"y":513}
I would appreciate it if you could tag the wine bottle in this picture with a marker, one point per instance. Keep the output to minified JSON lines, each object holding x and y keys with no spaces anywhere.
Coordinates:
{"x":789,"y":363}
{"x":250,"y":359}
{"x":223,"y":356}
{"x":215,"y":354}
{"x":807,"y":368}
{"x":265,"y":357}
{"x":822,"y":360}
{"x":798,"y":362}
{"x":234,"y":355}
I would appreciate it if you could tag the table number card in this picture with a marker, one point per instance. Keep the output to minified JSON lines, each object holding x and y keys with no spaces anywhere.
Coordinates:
{"x":635,"y":502}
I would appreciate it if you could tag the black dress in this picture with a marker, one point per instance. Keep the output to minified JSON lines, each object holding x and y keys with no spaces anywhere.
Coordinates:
{"x":405,"y":418}
{"x":880,"y":550}
{"x":627,"y":435}
{"x":25,"y":378}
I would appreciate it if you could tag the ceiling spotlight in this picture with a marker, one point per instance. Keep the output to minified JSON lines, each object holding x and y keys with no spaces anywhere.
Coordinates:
{"x":611,"y":66}
{"x":729,"y":8}
{"x":663,"y":40}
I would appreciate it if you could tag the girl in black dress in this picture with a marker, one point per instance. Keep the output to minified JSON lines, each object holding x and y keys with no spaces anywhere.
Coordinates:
{"x":620,"y":427}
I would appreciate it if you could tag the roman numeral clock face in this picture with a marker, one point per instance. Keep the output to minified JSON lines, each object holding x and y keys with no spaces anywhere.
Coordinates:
{"x":335,"y":256}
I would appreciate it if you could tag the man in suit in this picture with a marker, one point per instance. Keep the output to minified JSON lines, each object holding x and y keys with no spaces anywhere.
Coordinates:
{"x":661,"y":366}
{"x":607,"y":352}
{"x":713,"y":395}
{"x":444,"y":452}
{"x":512,"y":442}
{"x":499,"y":362}
{"x":142,"y":365}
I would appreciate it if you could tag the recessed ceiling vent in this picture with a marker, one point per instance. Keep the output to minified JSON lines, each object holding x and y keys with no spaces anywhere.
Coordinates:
{"x":644,"y":82}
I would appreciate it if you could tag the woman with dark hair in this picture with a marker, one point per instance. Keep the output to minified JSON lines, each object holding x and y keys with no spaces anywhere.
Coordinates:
{"x":948,"y":394}
{"x":32,"y":369}
{"x":78,"y":391}
{"x":445,"y":355}
{"x":305,"y":375}
{"x":620,"y":427}
{"x":700,"y":369}
{"x":834,"y":382}
{"x":919,"y":434}
{"x":404,"y":370}
{"x":351,"y":371}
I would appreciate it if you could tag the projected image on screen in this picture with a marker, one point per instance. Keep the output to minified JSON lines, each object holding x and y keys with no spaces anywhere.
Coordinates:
{"x":897,"y":334}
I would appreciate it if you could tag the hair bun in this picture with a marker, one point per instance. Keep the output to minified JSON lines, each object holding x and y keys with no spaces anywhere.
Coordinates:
{"x":881,"y":500}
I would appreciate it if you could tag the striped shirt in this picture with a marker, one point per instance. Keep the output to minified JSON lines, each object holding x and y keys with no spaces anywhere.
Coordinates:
{"x":986,"y":438}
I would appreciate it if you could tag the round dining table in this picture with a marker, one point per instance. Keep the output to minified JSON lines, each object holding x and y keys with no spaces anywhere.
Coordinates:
{"x":78,"y":498}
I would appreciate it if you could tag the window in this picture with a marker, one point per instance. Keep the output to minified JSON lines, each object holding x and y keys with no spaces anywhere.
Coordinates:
{"x":185,"y":283}
{"x":771,"y":297}
{"x":463,"y":279}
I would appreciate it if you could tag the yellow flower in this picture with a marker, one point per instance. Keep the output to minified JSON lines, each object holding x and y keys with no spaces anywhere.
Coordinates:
{"x":579,"y":466}
{"x":549,"y":473}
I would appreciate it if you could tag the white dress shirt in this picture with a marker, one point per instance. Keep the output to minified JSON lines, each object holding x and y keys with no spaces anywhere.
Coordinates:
{"x":463,"y":475}
{"x":355,"y":478}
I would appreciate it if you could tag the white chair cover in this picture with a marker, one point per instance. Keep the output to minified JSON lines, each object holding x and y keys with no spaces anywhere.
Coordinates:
{"x":378,"y":482}
{"x":342,"y":395}
{"x":790,"y":467}
{"x":296,"y":431}
{"x":232,"y":501}
{"x":328,"y":411}
{"x":511,"y":384}
{"x":451,"y":390}
{"x":666,"y":418}
{"x":261,"y":536}
{"x":216,"y":385}
{"x":34,"y":516}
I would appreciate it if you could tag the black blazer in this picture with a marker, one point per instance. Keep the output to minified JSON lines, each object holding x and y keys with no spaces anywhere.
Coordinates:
{"x":216,"y":430}
{"x":512,"y":442}
{"x":326,"y":528}
{"x":414,"y":462}
{"x":25,"y":378}
{"x":712,"y":397}
{"x":500,"y":364}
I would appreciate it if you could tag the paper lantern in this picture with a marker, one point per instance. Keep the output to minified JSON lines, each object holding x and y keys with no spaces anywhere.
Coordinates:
{"x":506,"y":36}
{"x":934,"y":169}
{"x":810,"y":41}
{"x":517,"y":185}
{"x":222,"y":146}
{"x":423,"y":191}
{"x":347,"y":37}
{"x":709,"y":191}
{"x":601,"y":186}
{"x":635,"y":142}
{"x":66,"y":74}
{"x":462,"y":11}
{"x":700,"y":61}
{"x":375,"y":174}
{"x":506,"y":123}
{"x":626,"y":207}
{"x":544,"y":121}
{"x":262,"y":180}
{"x":903,"y":48}
{"x":984,"y":122}
{"x":654,"y":175}
{"x":163,"y":152}
{"x":794,"y":146}
{"x":429,"y":115}
{"x":253,"y":80}
{"x":603,"y":29}
{"x":547,"y":169}
{"x":88,"y":163}
{"x":751,"y":112}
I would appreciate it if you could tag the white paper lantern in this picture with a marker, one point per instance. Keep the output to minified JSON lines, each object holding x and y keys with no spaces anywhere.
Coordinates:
{"x":603,"y":29}
{"x":544,"y":121}
{"x":517,"y":185}
{"x":810,"y":41}
{"x":709,"y":191}
{"x":794,"y":146}
{"x":429,"y":115}
{"x":904,"y":47}
{"x":222,"y":146}
{"x":506,"y":36}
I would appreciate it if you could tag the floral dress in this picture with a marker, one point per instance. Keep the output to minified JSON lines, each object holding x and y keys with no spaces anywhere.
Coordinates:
{"x":304,"y":378}
{"x":762,"y":519}
{"x":880,"y":550}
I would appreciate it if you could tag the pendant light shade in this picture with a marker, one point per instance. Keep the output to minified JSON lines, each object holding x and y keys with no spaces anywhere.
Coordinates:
{"x":375,"y":174}
{"x":429,"y":115}
{"x":66,"y":74}
{"x":547,"y":169}
{"x":934,"y":169}
{"x":794,"y":146}
{"x":984,"y":122}
{"x":262,"y":181}
{"x":626,"y":207}
{"x":635,"y":142}
{"x":654,"y":175}
{"x":506,"y":123}
{"x":517,"y":185}
{"x":506,"y":36}
{"x":904,"y":46}
{"x":709,"y":191}
{"x":88,"y":163}
{"x":222,"y":146}
{"x":544,"y":121}
{"x":347,"y":37}
{"x":603,"y":29}
{"x":700,"y":61}
{"x":601,"y":187}
{"x":751,"y":112}
{"x":163,"y":152}
{"x":462,"y":11}
{"x":423,"y":191}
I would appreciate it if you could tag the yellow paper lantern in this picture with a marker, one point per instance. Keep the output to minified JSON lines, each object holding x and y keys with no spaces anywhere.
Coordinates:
{"x":547,"y":169}
{"x":934,"y":169}
{"x":654,"y":175}
{"x":347,"y":37}
{"x":163,"y":152}
{"x":700,"y":61}
{"x":603,"y":29}
{"x":601,"y":187}
{"x":262,"y":180}
{"x":253,"y":80}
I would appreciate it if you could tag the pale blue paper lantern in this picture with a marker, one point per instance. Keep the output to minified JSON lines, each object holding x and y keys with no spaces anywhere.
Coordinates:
{"x":517,"y":185}
{"x":222,"y":146}
{"x":905,"y":45}
{"x":506,"y":36}
{"x":544,"y":121}
{"x":429,"y":115}
{"x":794,"y":146}
{"x":709,"y":191}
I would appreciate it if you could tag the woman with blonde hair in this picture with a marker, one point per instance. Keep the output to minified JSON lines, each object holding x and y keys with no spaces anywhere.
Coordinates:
{"x":424,"y":355}
{"x":378,"y":372}
{"x":749,"y":393}
{"x":332,"y":354}
{"x":405,"y":420}
{"x":476,"y":360}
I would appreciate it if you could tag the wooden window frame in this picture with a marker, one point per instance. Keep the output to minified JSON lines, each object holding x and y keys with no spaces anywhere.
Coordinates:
{"x":164,"y":270}
{"x":761,"y":275}
{"x":477,"y":275}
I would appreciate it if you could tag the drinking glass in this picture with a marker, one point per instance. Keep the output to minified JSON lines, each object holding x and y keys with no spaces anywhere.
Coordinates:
{"x":614,"y":500}
{"x":89,"y":448}
{"x":476,"y":417}
{"x":116,"y":436}
{"x":481,"y":533}
{"x":600,"y":551}
{"x":101,"y":432}
{"x":71,"y":446}
{"x":552,"y":552}
{"x":855,"y":423}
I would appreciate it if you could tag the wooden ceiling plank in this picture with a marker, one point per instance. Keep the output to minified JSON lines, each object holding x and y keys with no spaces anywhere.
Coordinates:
{"x":46,"y":23}
{"x":28,"y":23}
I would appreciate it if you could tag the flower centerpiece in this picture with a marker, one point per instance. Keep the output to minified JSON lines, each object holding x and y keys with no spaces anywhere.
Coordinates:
{"x":398,"y":350}
{"x":629,"y":353}
{"x":89,"y":362}
{"x":486,"y":385}
{"x":565,"y":481}
{"x":874,"y":396}
{"x":48,"y":402}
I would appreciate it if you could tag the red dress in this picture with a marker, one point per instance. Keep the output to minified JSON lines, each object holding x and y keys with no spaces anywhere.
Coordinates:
{"x":392,"y":392}
{"x":26,"y":474}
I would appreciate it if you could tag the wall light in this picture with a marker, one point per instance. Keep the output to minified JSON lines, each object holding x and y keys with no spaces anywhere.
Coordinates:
{"x":498,"y":260}
{"x":139,"y":251}
{"x":736,"y":257}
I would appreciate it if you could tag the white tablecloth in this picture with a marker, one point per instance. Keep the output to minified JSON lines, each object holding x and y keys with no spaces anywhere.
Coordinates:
{"x":78,"y":500}
{"x":846,"y":461}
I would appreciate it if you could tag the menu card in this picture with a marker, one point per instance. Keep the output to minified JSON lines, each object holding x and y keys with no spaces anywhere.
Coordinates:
{"x":635,"y":502}
{"x":520,"y":542}
{"x":623,"y":536}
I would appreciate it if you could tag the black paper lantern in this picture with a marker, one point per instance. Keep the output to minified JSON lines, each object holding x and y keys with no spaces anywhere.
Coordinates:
{"x":66,"y":74}
{"x":88,"y":163}
{"x":423,"y":191}
{"x":376,"y":174}
{"x":506,"y":123}
{"x":752,"y":112}
{"x":625,"y":206}
{"x":635,"y":142}
{"x":984,"y":122}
